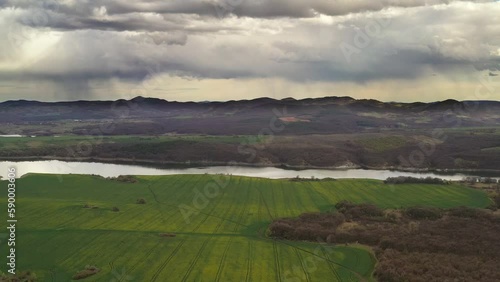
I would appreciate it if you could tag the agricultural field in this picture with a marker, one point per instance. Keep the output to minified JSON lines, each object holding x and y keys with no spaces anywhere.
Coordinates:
{"x":219,"y":222}
{"x":71,"y":140}
{"x":474,"y":148}
{"x":382,"y":144}
{"x":492,"y":149}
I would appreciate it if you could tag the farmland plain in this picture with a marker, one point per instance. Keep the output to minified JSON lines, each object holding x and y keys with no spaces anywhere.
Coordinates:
{"x":455,"y":149}
{"x":219,"y":222}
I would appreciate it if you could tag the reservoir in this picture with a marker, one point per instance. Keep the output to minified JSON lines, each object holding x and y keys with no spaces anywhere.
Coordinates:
{"x":113,"y":170}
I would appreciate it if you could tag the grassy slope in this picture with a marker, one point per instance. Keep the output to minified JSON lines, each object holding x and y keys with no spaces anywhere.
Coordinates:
{"x":456,"y":149}
{"x":57,"y":237}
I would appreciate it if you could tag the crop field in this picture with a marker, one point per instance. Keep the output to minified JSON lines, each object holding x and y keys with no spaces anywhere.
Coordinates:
{"x":219,"y":224}
{"x":71,"y":140}
{"x":492,"y":149}
{"x":382,"y":144}
{"x":474,"y":148}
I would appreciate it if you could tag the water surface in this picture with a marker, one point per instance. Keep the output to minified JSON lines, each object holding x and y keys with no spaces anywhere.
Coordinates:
{"x":12,"y":135}
{"x":111,"y":170}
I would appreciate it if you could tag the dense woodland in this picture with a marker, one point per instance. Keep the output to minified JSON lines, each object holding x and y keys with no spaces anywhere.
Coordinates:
{"x":307,"y":116}
{"x":459,"y":151}
{"x":413,"y":244}
{"x":407,"y":179}
{"x":322,"y":132}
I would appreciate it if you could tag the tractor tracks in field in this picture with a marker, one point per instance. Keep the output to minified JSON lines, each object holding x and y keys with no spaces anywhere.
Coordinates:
{"x":335,"y":273}
{"x":164,"y":264}
{"x":195,"y":260}
{"x":188,"y":272}
{"x":327,"y":259}
{"x":240,"y":216}
{"x":134,"y":216}
{"x":193,"y":263}
{"x":249,"y":261}
{"x":265,"y":204}
{"x":276,"y":261}
{"x":303,"y":265}
{"x":223,"y":260}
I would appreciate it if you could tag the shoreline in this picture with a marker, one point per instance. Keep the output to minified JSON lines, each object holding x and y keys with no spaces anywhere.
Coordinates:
{"x":190,"y":164}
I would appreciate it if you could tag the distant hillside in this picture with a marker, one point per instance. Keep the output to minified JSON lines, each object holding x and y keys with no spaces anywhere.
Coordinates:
{"x":307,"y":116}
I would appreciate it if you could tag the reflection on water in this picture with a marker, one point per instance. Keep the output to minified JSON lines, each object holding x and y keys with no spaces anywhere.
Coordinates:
{"x":110,"y":170}
{"x":12,"y":135}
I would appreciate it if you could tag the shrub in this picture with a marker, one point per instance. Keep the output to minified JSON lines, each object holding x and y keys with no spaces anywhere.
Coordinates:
{"x":492,"y":207}
{"x":141,"y":201}
{"x":423,"y":213}
{"x":464,"y":212}
{"x":87,"y":272}
{"x":330,"y":239}
{"x":309,"y":216}
{"x":281,"y":229}
{"x":496,"y":199}
{"x":462,"y":246}
{"x":124,"y":178}
{"x":351,"y":210}
{"x":344,"y":205}
{"x":24,"y":276}
{"x":115,"y":209}
{"x":392,"y":216}
{"x":386,"y":243}
{"x":408,"y":179}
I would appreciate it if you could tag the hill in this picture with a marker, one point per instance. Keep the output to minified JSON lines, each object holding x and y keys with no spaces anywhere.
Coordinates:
{"x":307,"y":116}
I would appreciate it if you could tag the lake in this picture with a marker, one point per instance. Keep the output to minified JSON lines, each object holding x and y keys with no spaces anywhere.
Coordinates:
{"x":12,"y":135}
{"x":111,"y":170}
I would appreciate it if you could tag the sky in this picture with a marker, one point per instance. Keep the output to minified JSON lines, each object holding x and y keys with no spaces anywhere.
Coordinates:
{"x":218,"y":50}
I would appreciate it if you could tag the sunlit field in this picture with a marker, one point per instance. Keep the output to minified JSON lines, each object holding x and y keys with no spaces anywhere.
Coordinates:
{"x":68,"y":222}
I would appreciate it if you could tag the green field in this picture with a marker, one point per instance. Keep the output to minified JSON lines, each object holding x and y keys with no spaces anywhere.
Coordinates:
{"x":222,"y":241}
{"x":492,"y":149}
{"x":382,"y":144}
{"x":72,"y":140}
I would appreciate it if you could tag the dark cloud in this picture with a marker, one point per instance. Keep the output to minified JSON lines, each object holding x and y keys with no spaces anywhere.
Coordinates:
{"x":265,"y":8}
{"x":74,"y":42}
{"x":217,"y":8}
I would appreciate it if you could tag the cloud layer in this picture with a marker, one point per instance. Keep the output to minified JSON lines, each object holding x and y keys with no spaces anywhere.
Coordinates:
{"x":75,"y":45}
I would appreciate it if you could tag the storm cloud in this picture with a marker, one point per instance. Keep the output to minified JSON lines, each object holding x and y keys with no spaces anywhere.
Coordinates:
{"x":76,"y":44}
